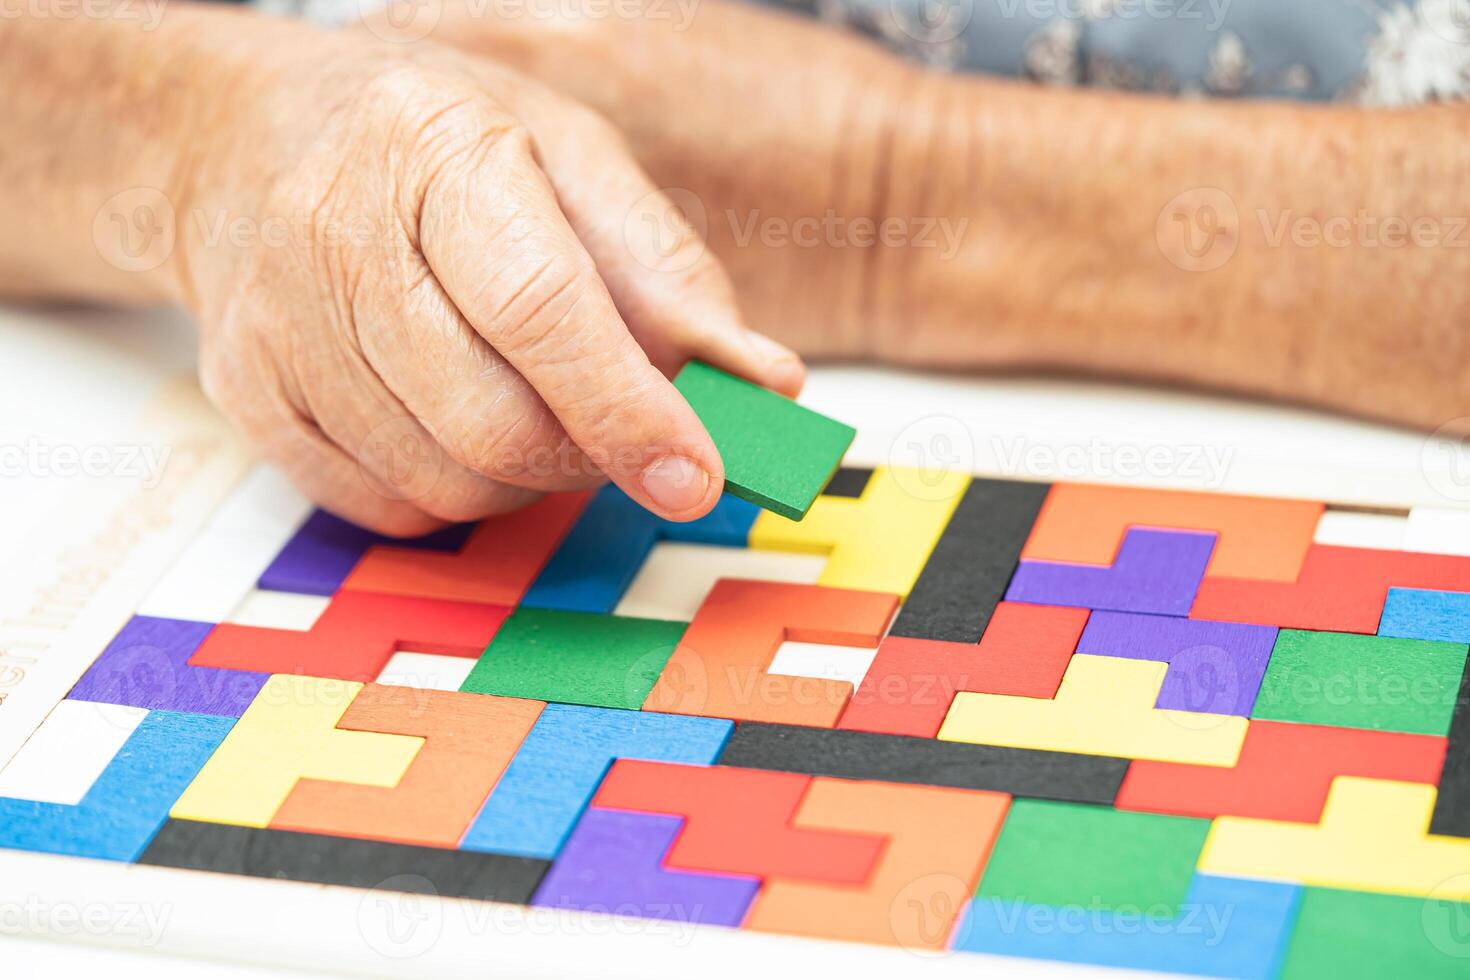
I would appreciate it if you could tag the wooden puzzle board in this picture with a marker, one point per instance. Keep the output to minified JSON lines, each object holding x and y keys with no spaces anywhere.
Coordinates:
{"x":1383,"y":769}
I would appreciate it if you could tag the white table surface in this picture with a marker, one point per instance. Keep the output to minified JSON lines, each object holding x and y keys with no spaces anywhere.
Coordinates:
{"x":78,"y":377}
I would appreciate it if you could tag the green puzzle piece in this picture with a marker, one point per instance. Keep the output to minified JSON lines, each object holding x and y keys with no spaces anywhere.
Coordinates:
{"x":1345,"y":935}
{"x":575,"y":658}
{"x":777,"y":454}
{"x":1072,"y":854}
{"x":1353,"y":680}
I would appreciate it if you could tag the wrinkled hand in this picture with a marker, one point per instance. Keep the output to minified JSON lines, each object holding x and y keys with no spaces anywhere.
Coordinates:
{"x":775,"y":131}
{"x":431,"y":289}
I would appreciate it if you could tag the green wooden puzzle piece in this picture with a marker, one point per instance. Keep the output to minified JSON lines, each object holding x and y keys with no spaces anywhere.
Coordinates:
{"x":777,"y":454}
{"x":1073,"y":854}
{"x":575,"y":658}
{"x":1353,"y":680}
{"x":1345,"y":934}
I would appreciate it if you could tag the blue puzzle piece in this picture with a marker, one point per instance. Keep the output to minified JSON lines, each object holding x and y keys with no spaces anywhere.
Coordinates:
{"x":129,"y":801}
{"x":1226,"y":927}
{"x":1424,"y":614}
{"x":562,"y":761}
{"x":610,"y":541}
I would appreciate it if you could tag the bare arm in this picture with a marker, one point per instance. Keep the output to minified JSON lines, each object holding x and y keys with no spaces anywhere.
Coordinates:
{"x":1050,"y":228}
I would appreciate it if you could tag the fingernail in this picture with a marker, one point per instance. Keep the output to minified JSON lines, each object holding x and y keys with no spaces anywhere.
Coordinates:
{"x":768,"y":349}
{"x":675,"y":484}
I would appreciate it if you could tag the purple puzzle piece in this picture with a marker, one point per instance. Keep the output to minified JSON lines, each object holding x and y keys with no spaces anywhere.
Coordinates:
{"x":325,"y":549}
{"x":1155,"y":572}
{"x":612,"y":863}
{"x":147,"y":666}
{"x":1213,"y":666}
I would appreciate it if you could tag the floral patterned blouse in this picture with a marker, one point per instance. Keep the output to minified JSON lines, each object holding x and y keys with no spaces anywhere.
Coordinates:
{"x":1371,"y":52}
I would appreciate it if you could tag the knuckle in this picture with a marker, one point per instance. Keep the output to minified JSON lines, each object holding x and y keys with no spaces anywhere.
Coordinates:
{"x":510,"y":449}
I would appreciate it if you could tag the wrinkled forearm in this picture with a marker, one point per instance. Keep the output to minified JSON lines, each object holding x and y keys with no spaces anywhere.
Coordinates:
{"x":1327,"y":257}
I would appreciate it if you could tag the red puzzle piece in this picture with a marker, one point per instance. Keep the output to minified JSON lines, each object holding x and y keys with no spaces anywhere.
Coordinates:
{"x":911,"y":683}
{"x":1283,"y":773}
{"x":496,"y":565}
{"x":738,"y":821}
{"x":1339,"y":589}
{"x":355,"y":637}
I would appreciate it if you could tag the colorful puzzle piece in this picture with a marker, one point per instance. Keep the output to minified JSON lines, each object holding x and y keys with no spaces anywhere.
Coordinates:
{"x":1105,"y":706}
{"x":738,"y":821}
{"x":1154,"y":572}
{"x":1284,"y":772}
{"x":289,"y":733}
{"x":1071,"y":854}
{"x":1357,"y":681}
{"x":937,"y":842}
{"x":562,"y":761}
{"x":1259,"y":538}
{"x":324,"y":550}
{"x":468,"y":742}
{"x":612,"y":863}
{"x":1424,"y":614}
{"x":575,"y":658}
{"x":499,"y":560}
{"x":925,"y":761}
{"x":1452,"y":805}
{"x":1339,"y":589}
{"x":777,"y":454}
{"x":1359,"y":934}
{"x":1372,"y":837}
{"x":327,"y":860}
{"x":147,"y":666}
{"x":878,"y":542}
{"x":720,"y":667}
{"x":1213,"y":667}
{"x":911,"y":683}
{"x":355,"y":637}
{"x":1224,"y":927}
{"x":129,"y":801}
{"x":967,"y":573}
{"x":602,"y":553}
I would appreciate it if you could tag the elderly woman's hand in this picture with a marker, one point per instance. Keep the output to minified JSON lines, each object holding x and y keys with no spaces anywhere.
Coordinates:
{"x":430,"y":288}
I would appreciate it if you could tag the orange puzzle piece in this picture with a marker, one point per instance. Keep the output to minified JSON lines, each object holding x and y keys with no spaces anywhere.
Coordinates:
{"x":738,"y":821}
{"x":938,"y":842}
{"x":911,"y":684}
{"x":497,"y":564}
{"x":354,"y":637}
{"x":1284,"y":772}
{"x":469,"y":740}
{"x":719,"y":667}
{"x":1259,"y":537}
